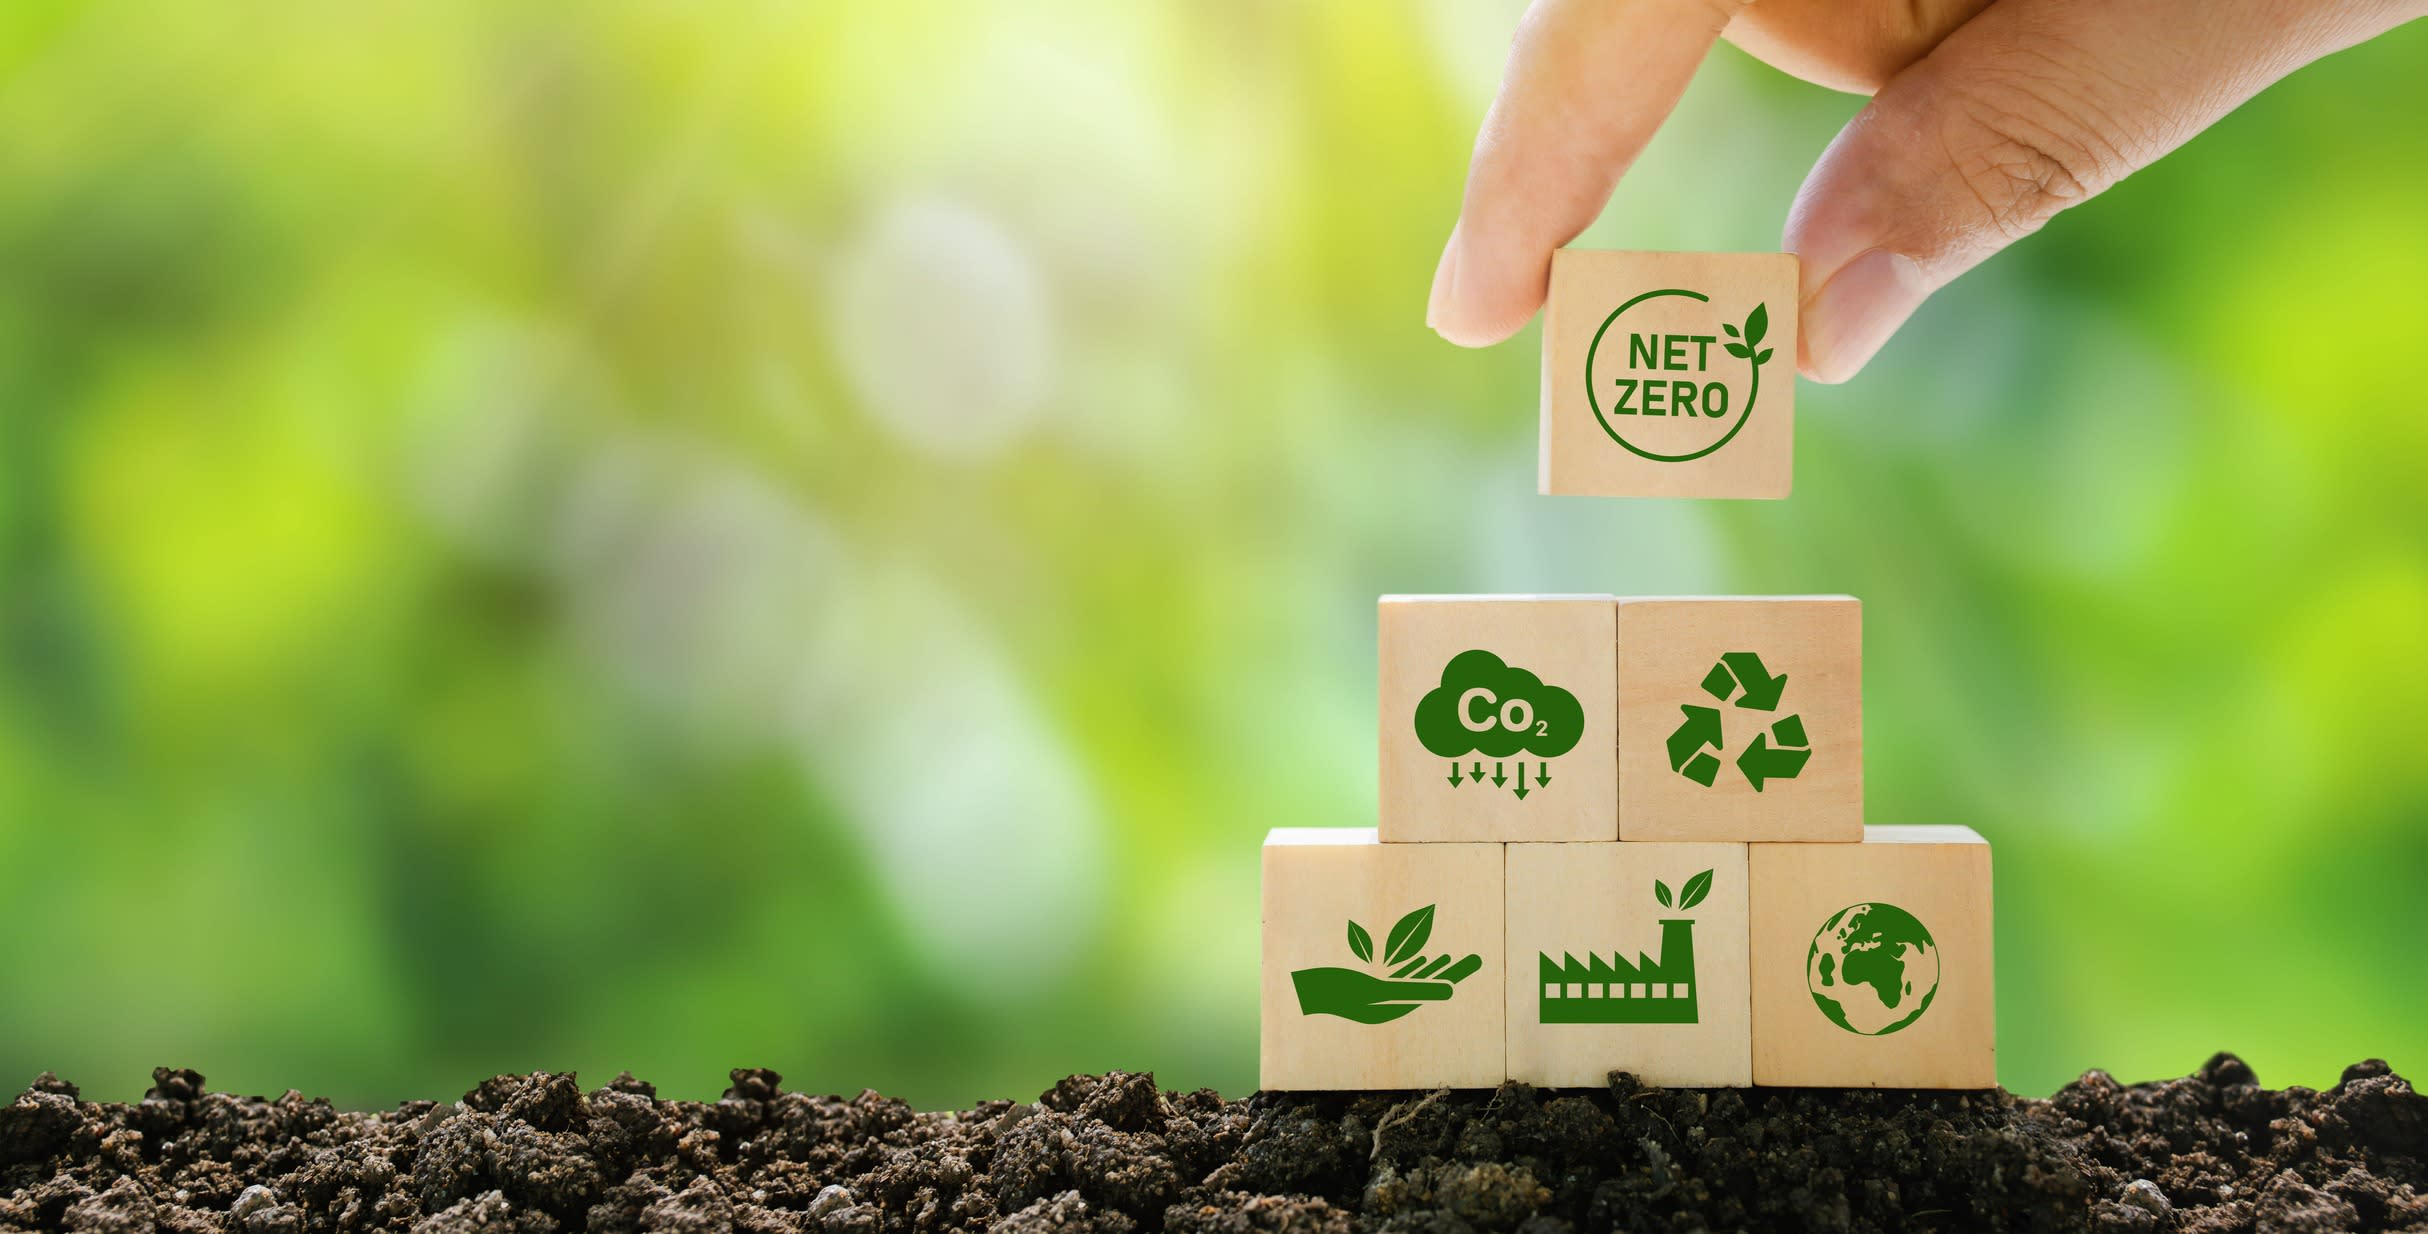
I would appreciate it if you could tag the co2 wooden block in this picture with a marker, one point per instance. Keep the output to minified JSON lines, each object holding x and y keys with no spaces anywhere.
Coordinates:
{"x":1628,"y":957}
{"x":1872,"y":963}
{"x":1382,"y":963}
{"x":1499,"y":718}
{"x":1669,"y":374}
{"x":1741,"y":718}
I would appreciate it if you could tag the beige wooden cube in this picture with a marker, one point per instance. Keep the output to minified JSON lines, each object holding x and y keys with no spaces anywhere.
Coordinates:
{"x":1872,"y":963}
{"x":1628,"y":957}
{"x":1669,"y":374}
{"x":1741,"y":719}
{"x":1499,"y":718}
{"x":1382,"y":963}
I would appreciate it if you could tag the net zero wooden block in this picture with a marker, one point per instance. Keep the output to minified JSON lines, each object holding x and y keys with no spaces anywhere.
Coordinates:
{"x":1872,"y":962}
{"x":1669,"y":374}
{"x":1628,"y":957}
{"x":1499,"y":718}
{"x":1382,"y":963}
{"x":1741,"y":718}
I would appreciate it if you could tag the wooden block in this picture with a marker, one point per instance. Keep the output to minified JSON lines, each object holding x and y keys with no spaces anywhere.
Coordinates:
{"x":1628,"y":957}
{"x":1669,"y":374}
{"x":1499,"y":718}
{"x":1741,"y":718}
{"x":1382,"y":963}
{"x":1872,"y":964}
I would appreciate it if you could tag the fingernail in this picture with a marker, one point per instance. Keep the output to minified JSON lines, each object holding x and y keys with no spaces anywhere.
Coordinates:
{"x":1445,"y":282}
{"x":1856,"y":312}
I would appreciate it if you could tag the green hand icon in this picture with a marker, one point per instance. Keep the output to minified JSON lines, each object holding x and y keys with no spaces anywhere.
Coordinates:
{"x":1368,"y":999}
{"x":1414,"y":981}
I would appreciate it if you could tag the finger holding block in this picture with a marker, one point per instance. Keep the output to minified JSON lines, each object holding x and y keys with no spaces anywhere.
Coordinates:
{"x":1628,"y":957}
{"x":1741,"y":719}
{"x":1499,"y":718}
{"x":1382,"y":963}
{"x":1669,"y":374}
{"x":1872,"y":963}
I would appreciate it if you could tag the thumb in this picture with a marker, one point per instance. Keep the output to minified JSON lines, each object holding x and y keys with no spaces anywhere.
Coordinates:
{"x":2027,"y":109}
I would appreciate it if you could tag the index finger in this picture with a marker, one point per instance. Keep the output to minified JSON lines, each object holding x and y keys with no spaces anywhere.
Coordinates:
{"x":1587,"y":84}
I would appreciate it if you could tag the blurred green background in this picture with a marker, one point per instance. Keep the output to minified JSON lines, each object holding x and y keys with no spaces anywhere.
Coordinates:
{"x":821,"y":536}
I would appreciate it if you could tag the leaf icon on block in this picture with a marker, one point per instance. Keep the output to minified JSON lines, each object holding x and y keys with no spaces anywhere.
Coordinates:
{"x":1361,"y":942}
{"x":1408,"y":937}
{"x":1660,"y":891}
{"x":1695,"y":889}
{"x":1757,"y":324}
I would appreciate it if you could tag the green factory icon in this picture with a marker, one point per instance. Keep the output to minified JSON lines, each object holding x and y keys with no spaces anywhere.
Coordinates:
{"x":1614,"y":991}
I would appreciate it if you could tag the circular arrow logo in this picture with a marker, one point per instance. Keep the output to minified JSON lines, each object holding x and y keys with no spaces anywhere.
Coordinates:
{"x":1777,"y":753}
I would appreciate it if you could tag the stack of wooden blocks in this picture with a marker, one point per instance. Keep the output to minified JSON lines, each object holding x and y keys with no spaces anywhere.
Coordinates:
{"x":1625,"y":835}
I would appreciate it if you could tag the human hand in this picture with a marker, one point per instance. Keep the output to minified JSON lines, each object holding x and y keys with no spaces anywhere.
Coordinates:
{"x":1988,"y":119}
{"x":1368,"y":999}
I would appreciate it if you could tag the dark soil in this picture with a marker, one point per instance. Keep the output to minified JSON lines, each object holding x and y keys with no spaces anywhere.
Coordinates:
{"x":1115,"y":1155}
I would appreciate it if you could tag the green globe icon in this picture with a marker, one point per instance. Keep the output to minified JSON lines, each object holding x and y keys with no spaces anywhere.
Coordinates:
{"x":1872,"y":969}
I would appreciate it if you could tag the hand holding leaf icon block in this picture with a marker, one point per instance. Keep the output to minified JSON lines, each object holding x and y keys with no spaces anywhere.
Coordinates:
{"x":1382,"y":962}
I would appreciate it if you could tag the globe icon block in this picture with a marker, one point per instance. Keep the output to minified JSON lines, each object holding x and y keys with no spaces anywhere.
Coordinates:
{"x":1872,"y":969}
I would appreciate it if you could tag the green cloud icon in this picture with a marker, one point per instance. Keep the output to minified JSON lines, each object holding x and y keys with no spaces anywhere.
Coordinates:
{"x":1496,"y":710}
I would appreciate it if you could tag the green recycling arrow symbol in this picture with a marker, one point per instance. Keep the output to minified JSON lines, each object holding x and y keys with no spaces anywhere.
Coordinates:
{"x":1687,"y":755}
{"x":1778,"y":754}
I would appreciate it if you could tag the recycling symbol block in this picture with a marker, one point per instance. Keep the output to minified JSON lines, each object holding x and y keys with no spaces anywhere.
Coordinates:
{"x":1777,"y":753}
